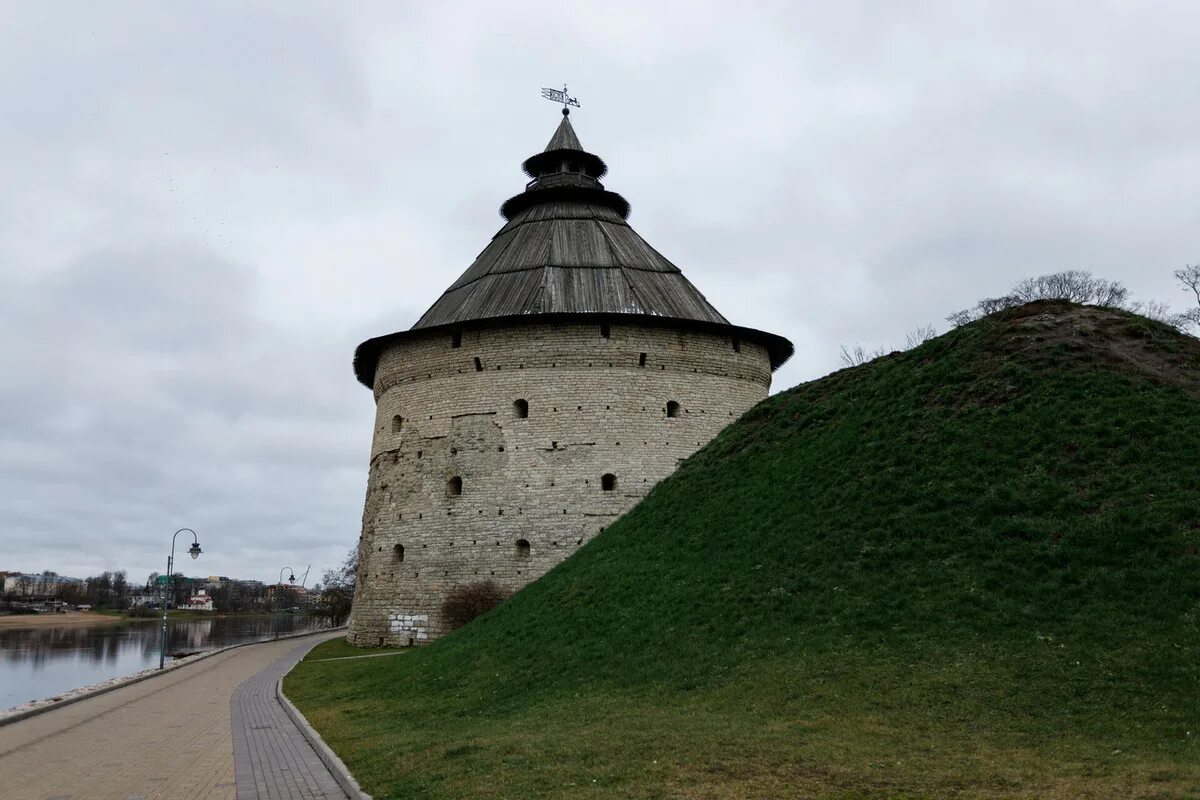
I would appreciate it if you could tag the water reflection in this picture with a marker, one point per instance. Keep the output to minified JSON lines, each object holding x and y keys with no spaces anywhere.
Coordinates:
{"x":42,"y":662}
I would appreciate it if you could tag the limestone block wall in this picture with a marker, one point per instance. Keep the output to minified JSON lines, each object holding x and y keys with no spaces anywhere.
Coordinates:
{"x":491,"y":448}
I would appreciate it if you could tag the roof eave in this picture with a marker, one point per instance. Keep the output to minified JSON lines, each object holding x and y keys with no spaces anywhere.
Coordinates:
{"x":579,"y":194}
{"x":598,"y":169}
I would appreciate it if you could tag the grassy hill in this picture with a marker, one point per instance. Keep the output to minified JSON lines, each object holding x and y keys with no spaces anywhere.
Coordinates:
{"x":971,"y":569}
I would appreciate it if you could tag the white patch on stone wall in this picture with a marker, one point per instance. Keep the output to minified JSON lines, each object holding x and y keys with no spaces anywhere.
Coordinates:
{"x":410,"y":625}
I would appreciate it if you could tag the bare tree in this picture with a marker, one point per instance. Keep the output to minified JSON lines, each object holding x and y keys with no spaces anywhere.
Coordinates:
{"x":1189,"y":281}
{"x":1073,"y":285}
{"x":336,"y":591}
{"x":858,"y":355}
{"x":918,"y":337}
{"x":854,"y":356}
{"x":960,"y":318}
{"x":1161,"y":312}
{"x":120,"y":590}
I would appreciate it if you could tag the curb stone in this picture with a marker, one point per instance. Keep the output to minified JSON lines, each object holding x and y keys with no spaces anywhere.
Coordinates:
{"x":35,"y":707}
{"x":341,"y":773}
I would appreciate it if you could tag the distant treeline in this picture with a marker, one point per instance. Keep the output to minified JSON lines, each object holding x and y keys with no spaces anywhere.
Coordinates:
{"x":113,"y":590}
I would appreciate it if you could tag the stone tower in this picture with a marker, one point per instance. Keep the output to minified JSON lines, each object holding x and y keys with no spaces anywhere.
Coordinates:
{"x":563,"y":375}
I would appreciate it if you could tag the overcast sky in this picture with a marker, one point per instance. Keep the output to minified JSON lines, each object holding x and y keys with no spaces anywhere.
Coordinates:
{"x":206,"y":206}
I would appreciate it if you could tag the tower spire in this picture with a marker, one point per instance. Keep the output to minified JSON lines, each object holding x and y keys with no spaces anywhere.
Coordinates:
{"x":564,"y":137}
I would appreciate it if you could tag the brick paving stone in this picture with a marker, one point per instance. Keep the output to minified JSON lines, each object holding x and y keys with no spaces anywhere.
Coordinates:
{"x":166,"y":738}
{"x":272,"y":759}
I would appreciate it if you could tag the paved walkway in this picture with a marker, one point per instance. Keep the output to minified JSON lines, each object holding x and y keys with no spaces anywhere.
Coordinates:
{"x":172,"y":738}
{"x":272,"y":759}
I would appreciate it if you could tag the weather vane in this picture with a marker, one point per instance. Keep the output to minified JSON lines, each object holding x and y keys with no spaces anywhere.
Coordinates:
{"x":560,"y":97}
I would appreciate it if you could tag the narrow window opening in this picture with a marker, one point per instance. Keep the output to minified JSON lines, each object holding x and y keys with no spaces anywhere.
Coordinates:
{"x":456,"y":339}
{"x":642,"y":360}
{"x":398,"y":550}
{"x":605,"y":331}
{"x":522,"y":548}
{"x":478,"y":364}
{"x":672,"y":408}
{"x":454,"y":486}
{"x":397,"y":423}
{"x":521,"y":409}
{"x":737,"y":345}
{"x":608,"y":482}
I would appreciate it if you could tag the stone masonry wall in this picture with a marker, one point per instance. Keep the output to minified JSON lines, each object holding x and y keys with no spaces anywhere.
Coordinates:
{"x":532,"y":488}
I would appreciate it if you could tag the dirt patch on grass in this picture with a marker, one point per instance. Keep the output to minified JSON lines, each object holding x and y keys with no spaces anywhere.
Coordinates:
{"x":1117,"y":339}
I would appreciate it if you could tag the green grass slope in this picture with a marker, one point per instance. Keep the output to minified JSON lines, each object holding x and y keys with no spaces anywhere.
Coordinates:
{"x":971,"y":569}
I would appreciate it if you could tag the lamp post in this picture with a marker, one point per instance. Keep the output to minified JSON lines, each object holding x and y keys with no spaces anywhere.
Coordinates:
{"x":292,"y":580}
{"x":194,"y":552}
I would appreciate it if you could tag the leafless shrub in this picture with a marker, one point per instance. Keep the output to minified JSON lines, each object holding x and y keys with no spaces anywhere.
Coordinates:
{"x":918,"y":337}
{"x":1161,"y":312}
{"x":1078,"y":286}
{"x":985,"y":307}
{"x":1074,"y":285}
{"x":990,"y":305}
{"x":854,"y":356}
{"x":960,"y":318}
{"x":858,"y":355}
{"x":465,"y":603}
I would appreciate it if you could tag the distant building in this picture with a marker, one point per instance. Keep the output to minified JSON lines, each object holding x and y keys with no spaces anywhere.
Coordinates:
{"x":285,"y":594}
{"x":200,"y":601}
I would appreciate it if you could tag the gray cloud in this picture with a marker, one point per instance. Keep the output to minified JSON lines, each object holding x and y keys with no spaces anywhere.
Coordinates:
{"x":206,"y":206}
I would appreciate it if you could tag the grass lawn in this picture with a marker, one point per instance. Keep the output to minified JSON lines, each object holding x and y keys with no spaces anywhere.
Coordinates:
{"x":968,"y":570}
{"x":338,"y":648}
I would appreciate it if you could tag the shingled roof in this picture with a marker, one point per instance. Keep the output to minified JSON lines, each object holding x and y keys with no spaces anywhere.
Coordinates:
{"x":566,"y":249}
{"x":564,"y":137}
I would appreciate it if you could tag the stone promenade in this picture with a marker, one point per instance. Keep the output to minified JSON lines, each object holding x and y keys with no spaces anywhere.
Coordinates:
{"x":209,"y":730}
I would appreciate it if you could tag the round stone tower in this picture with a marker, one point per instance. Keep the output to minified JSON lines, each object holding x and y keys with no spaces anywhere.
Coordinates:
{"x":562,"y":376}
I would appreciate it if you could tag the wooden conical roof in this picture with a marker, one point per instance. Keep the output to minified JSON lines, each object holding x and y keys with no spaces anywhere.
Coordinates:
{"x":564,"y":137}
{"x":566,"y":249}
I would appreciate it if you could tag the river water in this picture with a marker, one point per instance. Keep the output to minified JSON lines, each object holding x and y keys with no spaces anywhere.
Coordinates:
{"x":43,"y":662}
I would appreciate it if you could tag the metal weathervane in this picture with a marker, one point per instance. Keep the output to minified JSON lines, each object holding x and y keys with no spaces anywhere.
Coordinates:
{"x":560,"y":97}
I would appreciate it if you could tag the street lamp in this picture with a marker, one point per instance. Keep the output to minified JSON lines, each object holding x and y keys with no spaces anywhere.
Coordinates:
{"x":194,"y":552}
{"x":292,"y":580}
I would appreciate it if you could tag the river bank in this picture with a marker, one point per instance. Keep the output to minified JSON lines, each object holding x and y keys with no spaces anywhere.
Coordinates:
{"x":68,"y":620}
{"x":78,"y":618}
